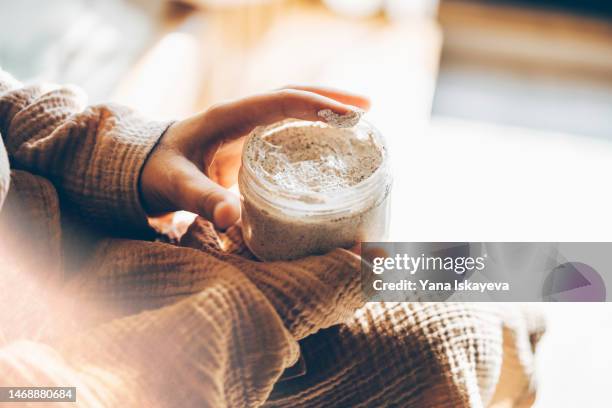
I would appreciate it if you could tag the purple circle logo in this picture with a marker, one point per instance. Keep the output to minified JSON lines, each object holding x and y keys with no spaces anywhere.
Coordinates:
{"x":574,"y":282}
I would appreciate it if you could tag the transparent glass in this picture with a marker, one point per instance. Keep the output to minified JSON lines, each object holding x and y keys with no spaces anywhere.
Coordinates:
{"x":280,"y":225}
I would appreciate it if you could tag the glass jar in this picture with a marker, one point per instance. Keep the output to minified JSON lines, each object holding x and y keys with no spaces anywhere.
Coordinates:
{"x":279,"y":224}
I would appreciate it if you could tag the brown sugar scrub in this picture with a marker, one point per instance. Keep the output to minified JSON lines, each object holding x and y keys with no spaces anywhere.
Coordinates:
{"x":309,"y":187}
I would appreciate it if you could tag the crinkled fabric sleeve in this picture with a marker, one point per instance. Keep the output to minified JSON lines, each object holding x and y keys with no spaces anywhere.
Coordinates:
{"x":93,"y":155}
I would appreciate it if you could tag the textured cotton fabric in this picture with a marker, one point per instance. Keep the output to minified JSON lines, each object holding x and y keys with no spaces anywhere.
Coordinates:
{"x":137,"y":323}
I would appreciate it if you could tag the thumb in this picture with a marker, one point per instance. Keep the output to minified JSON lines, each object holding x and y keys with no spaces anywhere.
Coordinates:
{"x":199,"y":194}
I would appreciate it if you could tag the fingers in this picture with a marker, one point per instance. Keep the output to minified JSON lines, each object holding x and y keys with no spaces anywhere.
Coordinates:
{"x":197,"y":193}
{"x":341,"y":96}
{"x":170,"y":182}
{"x":232,"y":120}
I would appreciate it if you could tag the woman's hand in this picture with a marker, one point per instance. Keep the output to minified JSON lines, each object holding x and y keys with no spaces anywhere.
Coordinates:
{"x":184,"y":173}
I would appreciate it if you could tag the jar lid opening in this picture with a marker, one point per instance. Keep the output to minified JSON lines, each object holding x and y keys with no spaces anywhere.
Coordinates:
{"x":344,"y":199}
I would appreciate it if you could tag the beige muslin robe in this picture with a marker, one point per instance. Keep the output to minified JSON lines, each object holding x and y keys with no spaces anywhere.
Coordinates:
{"x":88,"y":299}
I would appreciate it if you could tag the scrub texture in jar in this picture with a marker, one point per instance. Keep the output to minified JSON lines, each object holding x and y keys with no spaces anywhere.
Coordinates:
{"x":308,"y":187}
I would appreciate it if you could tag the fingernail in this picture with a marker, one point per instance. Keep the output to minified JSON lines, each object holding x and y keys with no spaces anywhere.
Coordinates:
{"x":225,"y":214}
{"x":349,"y":119}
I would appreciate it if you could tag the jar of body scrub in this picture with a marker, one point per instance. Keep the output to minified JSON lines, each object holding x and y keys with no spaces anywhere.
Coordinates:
{"x":308,"y":187}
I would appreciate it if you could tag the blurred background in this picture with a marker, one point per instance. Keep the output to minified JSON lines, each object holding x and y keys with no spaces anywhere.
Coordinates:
{"x":498,"y":113}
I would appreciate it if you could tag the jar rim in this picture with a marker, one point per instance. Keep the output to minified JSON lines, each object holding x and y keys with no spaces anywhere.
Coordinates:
{"x":343,"y":200}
